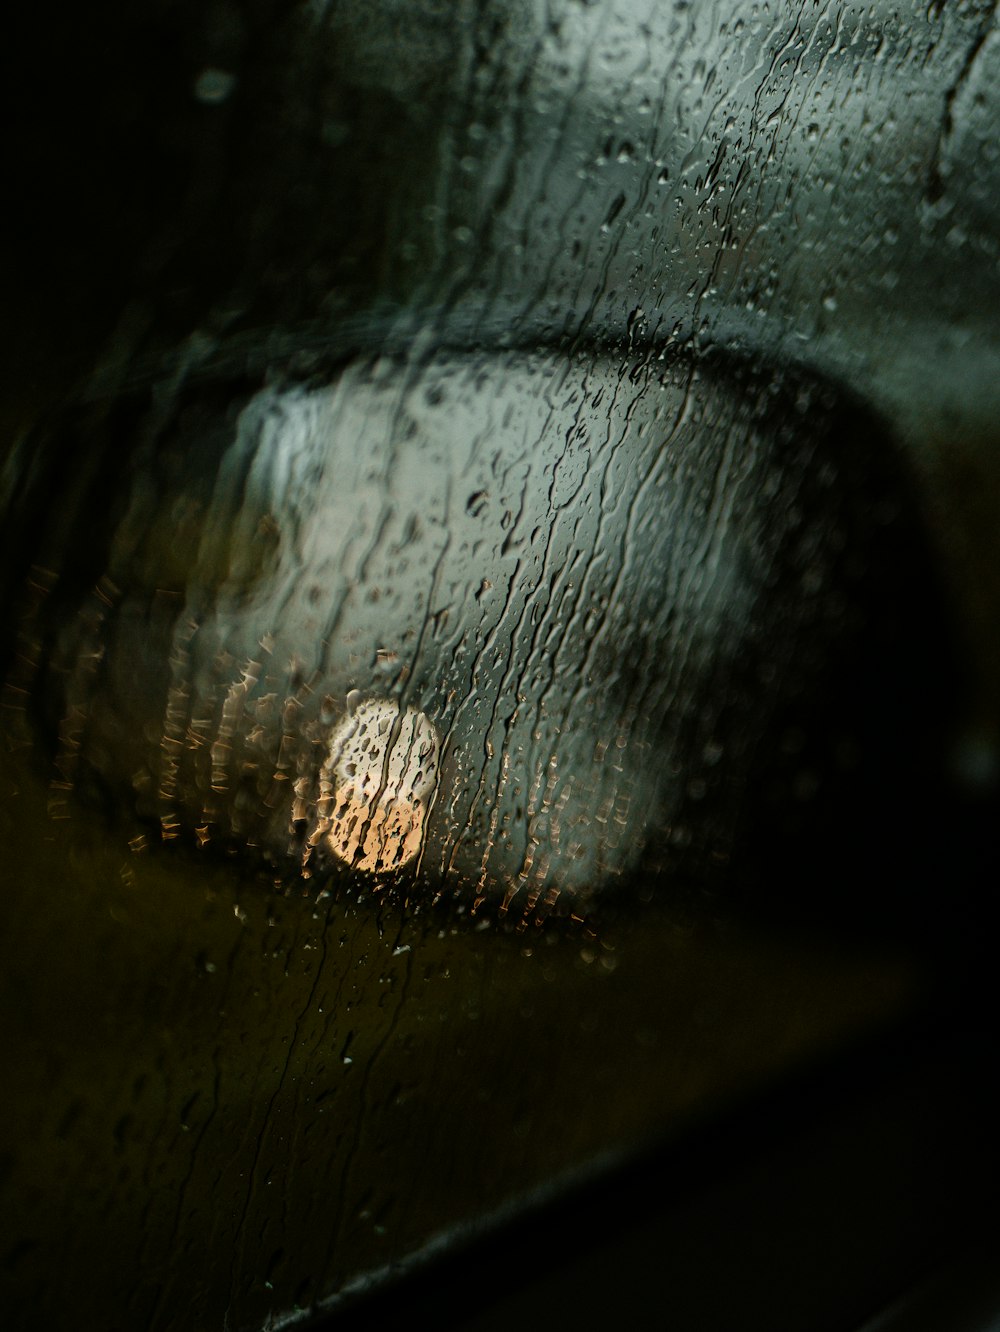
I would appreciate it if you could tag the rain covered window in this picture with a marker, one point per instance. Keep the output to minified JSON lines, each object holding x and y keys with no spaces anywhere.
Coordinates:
{"x":499,"y":525}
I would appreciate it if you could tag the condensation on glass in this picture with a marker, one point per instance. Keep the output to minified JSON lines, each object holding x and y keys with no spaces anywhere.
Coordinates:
{"x":478,"y":620}
{"x":478,"y":540}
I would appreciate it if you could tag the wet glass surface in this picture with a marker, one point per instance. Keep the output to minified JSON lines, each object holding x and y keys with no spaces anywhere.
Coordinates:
{"x":499,"y":579}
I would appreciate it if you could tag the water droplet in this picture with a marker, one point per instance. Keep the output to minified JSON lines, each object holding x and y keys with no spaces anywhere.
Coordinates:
{"x":213,"y":86}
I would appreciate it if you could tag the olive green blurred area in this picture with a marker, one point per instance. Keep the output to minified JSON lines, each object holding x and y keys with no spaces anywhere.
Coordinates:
{"x":223,"y":1103}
